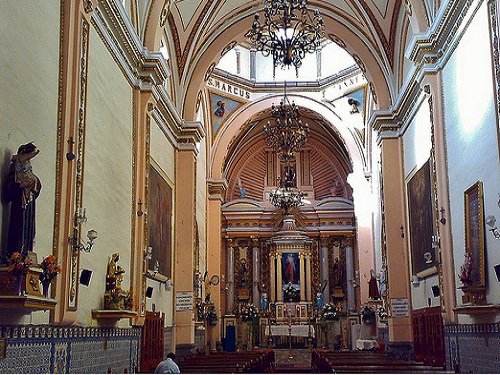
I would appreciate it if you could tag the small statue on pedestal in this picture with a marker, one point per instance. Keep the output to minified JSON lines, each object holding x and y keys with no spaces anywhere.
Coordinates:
{"x":21,"y":189}
{"x":115,"y":297}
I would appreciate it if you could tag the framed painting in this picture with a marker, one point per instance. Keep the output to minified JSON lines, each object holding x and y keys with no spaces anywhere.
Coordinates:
{"x":421,"y":222}
{"x":160,"y":223}
{"x":474,"y":232}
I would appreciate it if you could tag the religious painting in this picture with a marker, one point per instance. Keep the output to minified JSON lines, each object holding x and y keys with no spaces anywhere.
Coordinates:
{"x":290,"y":274}
{"x":160,"y":223}
{"x":474,"y":233}
{"x":221,"y":108}
{"x":421,"y":222}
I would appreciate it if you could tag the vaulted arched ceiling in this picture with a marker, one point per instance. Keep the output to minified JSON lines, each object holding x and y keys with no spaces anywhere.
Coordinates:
{"x":200,"y":30}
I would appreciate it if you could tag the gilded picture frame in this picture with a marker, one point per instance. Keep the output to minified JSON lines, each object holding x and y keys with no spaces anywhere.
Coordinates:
{"x":160,"y":226}
{"x":474,"y":232}
{"x":421,"y":222}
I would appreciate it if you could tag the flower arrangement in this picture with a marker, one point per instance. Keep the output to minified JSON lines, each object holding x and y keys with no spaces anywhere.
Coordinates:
{"x":17,"y":264}
{"x":367,"y":315}
{"x":50,"y":269}
{"x":290,"y":293}
{"x":465,"y":274}
{"x":211,"y":316}
{"x":330,"y":313}
{"x":250,"y":313}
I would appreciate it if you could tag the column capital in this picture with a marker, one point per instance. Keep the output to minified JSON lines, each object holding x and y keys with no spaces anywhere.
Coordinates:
{"x":229,"y":241}
{"x":217,"y":189}
{"x":255,"y":241}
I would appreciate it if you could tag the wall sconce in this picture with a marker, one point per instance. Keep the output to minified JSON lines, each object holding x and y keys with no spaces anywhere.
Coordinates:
{"x":443,"y":219}
{"x":76,"y":242}
{"x":80,"y":216}
{"x":415,"y":281}
{"x":490,"y":221}
{"x":140,"y":212}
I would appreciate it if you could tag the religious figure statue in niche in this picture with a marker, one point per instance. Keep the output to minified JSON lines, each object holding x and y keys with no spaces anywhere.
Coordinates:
{"x":382,"y":280}
{"x":115,"y":297}
{"x":243,"y":191}
{"x":337,"y":189}
{"x":264,"y":302}
{"x":22,"y":187}
{"x":319,"y":302}
{"x":338,"y":274}
{"x":221,"y":109}
{"x":373,"y":292}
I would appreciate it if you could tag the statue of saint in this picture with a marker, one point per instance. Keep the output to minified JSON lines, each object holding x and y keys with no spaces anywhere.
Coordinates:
{"x":373,"y":292}
{"x":22,"y":187}
{"x":319,"y":302}
{"x":264,"y":303}
{"x":338,"y":274}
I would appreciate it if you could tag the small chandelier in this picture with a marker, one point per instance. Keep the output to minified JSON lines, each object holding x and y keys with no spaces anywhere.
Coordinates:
{"x":288,"y":32}
{"x":285,"y":132}
{"x":284,"y":196}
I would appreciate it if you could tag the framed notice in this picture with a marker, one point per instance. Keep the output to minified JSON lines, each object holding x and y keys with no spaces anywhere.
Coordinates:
{"x":399,"y":307}
{"x":184,"y":301}
{"x":474,"y":232}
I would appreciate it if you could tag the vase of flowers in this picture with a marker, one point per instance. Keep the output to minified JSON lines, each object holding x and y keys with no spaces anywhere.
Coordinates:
{"x":330,"y":313}
{"x":18,"y":266}
{"x":50,"y":269}
{"x":290,"y":294}
{"x":465,"y":274}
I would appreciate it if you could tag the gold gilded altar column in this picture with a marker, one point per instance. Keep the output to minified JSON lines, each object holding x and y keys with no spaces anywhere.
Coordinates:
{"x":279,"y":278}
{"x":400,"y":328}
{"x":303,"y":280}
{"x":185,"y":206}
{"x":272,"y":278}
{"x":216,"y":191}
{"x":308,"y":282}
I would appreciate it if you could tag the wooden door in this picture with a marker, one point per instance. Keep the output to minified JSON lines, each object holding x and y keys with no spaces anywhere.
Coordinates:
{"x":428,"y":336}
{"x":152,"y":341}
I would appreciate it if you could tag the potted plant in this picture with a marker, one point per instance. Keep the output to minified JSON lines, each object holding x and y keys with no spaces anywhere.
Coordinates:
{"x":50,"y":269}
{"x":18,"y":266}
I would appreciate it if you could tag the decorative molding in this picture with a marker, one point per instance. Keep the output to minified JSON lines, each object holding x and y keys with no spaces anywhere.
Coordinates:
{"x":88,"y":6}
{"x":217,"y":189}
{"x":495,"y":47}
{"x":483,"y":328}
{"x":14,"y":332}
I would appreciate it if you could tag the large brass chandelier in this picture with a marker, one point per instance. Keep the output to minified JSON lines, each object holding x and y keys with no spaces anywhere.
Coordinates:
{"x":284,"y":196}
{"x":288,"y":32}
{"x":285,"y":132}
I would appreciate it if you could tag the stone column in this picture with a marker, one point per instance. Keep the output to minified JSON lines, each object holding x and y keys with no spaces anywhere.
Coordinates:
{"x":303,"y":281}
{"x":272,"y":278}
{"x":349,"y":265}
{"x":230,"y":275}
{"x":253,"y":58}
{"x":323,"y":258}
{"x":279,"y":279}
{"x":256,"y":272}
{"x":400,"y":328}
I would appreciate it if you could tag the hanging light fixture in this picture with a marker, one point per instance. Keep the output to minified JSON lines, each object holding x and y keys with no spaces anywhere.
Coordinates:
{"x":288,"y":32}
{"x":285,"y":132}
{"x":284,"y":196}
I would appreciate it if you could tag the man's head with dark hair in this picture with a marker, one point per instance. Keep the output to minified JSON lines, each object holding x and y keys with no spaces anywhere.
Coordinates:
{"x":171,"y":356}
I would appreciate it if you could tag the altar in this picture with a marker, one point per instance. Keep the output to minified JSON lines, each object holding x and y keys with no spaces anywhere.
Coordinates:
{"x":295,"y":330}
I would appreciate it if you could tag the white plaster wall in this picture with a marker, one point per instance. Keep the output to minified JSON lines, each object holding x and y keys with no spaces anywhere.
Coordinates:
{"x":472,"y":140}
{"x":107,"y":192}
{"x":417,"y":149}
{"x":162,"y":153}
{"x":29,"y":64}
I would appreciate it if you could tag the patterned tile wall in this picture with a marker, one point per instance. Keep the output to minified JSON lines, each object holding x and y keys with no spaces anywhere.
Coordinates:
{"x":44,"y":349}
{"x":473,"y":348}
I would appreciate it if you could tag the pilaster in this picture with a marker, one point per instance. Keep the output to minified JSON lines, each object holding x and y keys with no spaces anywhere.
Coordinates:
{"x":400,"y":329}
